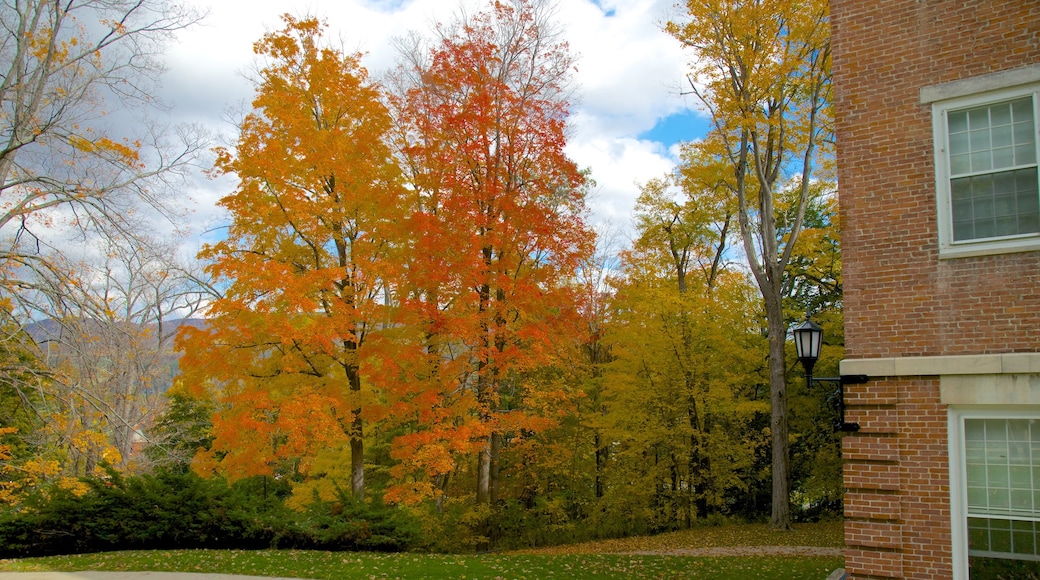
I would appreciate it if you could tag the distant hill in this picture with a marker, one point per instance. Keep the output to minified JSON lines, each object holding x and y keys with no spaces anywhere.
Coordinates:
{"x":50,"y":329}
{"x":48,"y":335}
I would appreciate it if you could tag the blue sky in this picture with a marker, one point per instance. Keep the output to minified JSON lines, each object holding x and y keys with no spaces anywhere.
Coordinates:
{"x":677,"y":128}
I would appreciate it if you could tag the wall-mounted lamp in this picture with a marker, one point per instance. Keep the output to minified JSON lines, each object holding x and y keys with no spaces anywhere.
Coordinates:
{"x":808,"y":339}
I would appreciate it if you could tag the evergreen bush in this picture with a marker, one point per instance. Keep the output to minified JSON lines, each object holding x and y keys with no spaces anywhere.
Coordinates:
{"x":170,"y":510}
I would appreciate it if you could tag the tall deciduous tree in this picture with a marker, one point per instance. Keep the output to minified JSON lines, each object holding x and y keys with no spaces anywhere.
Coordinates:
{"x":685,"y":354}
{"x":68,"y":69}
{"x":498,"y":218}
{"x":763,"y":71}
{"x":109,"y":344}
{"x":79,"y":158}
{"x":304,"y":256}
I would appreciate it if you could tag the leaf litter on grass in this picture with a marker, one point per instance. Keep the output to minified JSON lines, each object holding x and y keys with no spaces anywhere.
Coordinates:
{"x":609,"y":559}
{"x":731,"y":538}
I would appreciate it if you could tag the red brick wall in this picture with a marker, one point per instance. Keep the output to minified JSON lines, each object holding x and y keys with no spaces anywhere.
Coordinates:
{"x":900,"y":299}
{"x":897,"y":504}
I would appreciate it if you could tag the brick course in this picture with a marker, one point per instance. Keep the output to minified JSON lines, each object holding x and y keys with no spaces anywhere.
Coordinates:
{"x":897,"y":476}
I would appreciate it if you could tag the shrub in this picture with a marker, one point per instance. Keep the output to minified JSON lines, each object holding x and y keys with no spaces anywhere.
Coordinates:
{"x":350,"y":524}
{"x":181,"y":510}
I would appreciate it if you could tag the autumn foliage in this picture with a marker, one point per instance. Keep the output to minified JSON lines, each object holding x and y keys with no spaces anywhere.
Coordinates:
{"x":497,"y":215}
{"x":412,"y":305}
{"x":304,"y":262}
{"x":405,"y":268}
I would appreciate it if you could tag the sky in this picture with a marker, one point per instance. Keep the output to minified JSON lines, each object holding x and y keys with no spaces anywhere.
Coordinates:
{"x":625,"y":123}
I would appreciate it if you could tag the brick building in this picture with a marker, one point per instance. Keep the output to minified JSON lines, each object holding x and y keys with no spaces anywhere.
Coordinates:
{"x":938,"y":110}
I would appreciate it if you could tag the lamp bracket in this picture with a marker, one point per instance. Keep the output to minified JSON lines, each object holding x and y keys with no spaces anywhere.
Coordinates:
{"x":841,"y":381}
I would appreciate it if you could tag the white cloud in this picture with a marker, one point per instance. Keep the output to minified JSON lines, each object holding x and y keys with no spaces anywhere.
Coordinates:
{"x":628,"y":75}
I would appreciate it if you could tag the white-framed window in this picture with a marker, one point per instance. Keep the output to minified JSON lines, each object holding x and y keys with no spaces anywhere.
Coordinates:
{"x":995,"y":492}
{"x":986,"y":171}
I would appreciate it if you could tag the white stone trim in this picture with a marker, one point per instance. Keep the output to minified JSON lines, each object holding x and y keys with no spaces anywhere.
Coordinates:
{"x":981,"y":364}
{"x":1008,"y":390}
{"x":980,"y":84}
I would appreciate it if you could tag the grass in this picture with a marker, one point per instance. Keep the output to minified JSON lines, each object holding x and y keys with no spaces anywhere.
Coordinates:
{"x":825,"y":534}
{"x":594,"y":560}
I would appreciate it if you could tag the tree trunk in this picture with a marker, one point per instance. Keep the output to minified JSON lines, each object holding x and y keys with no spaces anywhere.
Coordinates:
{"x":496,"y":446}
{"x":601,"y":462}
{"x":357,"y":459}
{"x":484,"y":492}
{"x":781,"y":514}
{"x":357,"y":442}
{"x":484,"y":473}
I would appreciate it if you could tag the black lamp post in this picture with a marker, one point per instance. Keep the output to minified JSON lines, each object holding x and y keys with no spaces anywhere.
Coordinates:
{"x":808,"y":340}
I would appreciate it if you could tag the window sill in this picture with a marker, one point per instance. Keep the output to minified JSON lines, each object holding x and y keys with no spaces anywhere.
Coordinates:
{"x":989,"y":248}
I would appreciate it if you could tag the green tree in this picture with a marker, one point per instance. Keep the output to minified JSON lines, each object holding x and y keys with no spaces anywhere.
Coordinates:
{"x":184,"y":428}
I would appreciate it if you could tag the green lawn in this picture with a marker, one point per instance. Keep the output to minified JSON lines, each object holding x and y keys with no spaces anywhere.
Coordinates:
{"x":592,"y":560}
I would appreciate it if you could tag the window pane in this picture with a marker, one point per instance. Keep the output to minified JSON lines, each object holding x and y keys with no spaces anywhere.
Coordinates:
{"x":975,"y":430}
{"x":978,"y":118}
{"x":981,"y":161}
{"x":1029,"y":223}
{"x":1021,"y":476}
{"x":957,"y":121}
{"x":960,"y":164}
{"x":999,"y":539}
{"x":1001,"y":136}
{"x":1025,"y":154}
{"x":1022,"y":109}
{"x":1021,"y":501}
{"x":977,"y":499}
{"x":978,"y":534}
{"x":1003,"y":157}
{"x":1004,"y":182}
{"x":985,"y":229}
{"x":1023,"y":543}
{"x":999,"y":498}
{"x":1005,"y":226}
{"x":1000,"y":114}
{"x":982,"y":568}
{"x":1003,"y":494}
{"x":979,"y":139}
{"x":1025,"y":182}
{"x":959,"y":143}
{"x":974,"y":452}
{"x":1024,"y":133}
{"x":996,"y":430}
{"x":997,"y":136}
{"x":992,"y":205}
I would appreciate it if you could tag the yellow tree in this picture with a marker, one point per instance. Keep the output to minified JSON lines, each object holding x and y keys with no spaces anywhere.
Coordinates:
{"x":304,"y":259}
{"x":762,"y":69}
{"x":683,"y":336}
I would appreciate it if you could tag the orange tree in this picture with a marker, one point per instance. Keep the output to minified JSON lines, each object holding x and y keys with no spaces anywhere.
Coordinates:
{"x":303,"y":262}
{"x":499,"y":235}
